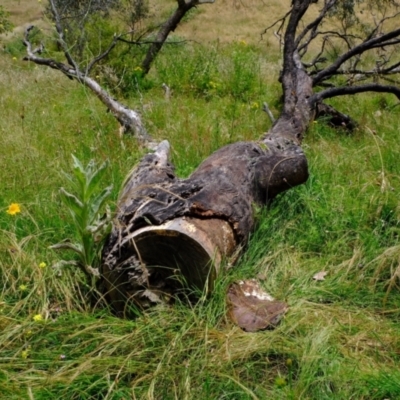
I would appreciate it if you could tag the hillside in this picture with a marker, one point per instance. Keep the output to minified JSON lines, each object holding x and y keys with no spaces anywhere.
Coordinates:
{"x":225,"y":20}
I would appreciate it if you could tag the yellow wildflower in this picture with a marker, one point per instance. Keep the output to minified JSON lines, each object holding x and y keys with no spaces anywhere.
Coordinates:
{"x":280,"y":381}
{"x":14,"y":58}
{"x":139,"y":69}
{"x":38,"y":318}
{"x":243,"y":42}
{"x":254,"y":105}
{"x":23,"y":288}
{"x":14,"y":208}
{"x":42,"y":265}
{"x":25,"y":354}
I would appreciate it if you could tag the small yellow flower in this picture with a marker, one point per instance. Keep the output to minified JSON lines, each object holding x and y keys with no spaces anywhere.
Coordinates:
{"x":28,"y":333}
{"x":289,"y":362}
{"x":42,"y":265}
{"x":23,"y":288}
{"x":139,"y":69}
{"x":14,"y":58}
{"x":25,"y":354}
{"x":14,"y":208}
{"x":280,"y":381}
{"x":243,"y":42}
{"x":254,"y":105}
{"x":38,"y":318}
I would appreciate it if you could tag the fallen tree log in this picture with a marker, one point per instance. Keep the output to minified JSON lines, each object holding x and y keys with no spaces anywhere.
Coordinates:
{"x":168,"y":229}
{"x":170,"y":234}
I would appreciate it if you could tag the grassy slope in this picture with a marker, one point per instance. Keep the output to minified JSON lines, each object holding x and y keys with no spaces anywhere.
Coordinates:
{"x":341,"y":338}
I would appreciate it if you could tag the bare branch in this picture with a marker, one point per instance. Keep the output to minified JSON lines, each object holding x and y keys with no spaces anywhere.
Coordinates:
{"x":266,"y":109}
{"x":144,"y":42}
{"x":61,"y":40}
{"x":289,"y":75}
{"x":359,"y":49}
{"x":166,"y":28}
{"x":350,"y":90}
{"x":328,"y":35}
{"x":102,"y":55}
{"x":379,"y":25}
{"x":313,"y":26}
{"x":282,"y":22}
{"x":334,"y":117}
{"x":64,"y":68}
{"x":129,"y":119}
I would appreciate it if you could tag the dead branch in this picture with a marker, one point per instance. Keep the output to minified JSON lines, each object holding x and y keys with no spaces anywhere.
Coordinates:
{"x":349,"y":90}
{"x":311,"y":29}
{"x":266,"y":109}
{"x":334,"y":117}
{"x":367,"y":44}
{"x":103,"y":55}
{"x":129,"y":120}
{"x":166,"y":28}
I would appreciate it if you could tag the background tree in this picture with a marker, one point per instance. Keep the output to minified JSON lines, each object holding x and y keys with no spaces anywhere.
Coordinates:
{"x":75,"y":23}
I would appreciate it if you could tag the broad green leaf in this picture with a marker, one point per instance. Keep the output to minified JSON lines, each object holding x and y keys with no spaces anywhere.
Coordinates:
{"x":80,"y":175}
{"x":71,"y":201}
{"x":67,"y":245}
{"x":98,"y":201}
{"x":93,"y":180}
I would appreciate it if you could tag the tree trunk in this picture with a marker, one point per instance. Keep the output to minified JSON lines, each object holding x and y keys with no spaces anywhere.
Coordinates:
{"x":172,"y":233}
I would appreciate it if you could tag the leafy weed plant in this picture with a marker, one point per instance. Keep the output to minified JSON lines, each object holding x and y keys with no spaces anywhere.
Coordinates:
{"x":85,"y":207}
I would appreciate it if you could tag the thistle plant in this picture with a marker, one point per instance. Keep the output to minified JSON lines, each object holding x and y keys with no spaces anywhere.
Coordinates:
{"x":85,"y":207}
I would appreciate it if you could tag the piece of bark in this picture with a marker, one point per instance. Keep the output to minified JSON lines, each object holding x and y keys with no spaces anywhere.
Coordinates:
{"x":251,"y":308}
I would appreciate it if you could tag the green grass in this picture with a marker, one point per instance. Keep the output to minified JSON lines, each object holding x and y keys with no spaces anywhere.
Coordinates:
{"x":340,"y":338}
